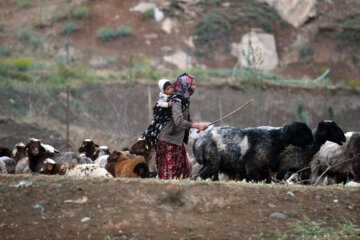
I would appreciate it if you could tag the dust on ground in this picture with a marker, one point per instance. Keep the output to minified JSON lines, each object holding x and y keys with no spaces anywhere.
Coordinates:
{"x":58,"y":207}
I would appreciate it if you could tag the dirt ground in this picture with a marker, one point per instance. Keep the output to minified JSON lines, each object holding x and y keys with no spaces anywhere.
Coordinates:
{"x":57,"y":207}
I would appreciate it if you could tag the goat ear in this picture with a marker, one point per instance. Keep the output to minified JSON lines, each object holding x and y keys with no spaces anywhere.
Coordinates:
{"x":96,"y":145}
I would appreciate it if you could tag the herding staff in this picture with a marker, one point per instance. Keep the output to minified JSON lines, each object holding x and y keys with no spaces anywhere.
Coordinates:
{"x":242,"y":106}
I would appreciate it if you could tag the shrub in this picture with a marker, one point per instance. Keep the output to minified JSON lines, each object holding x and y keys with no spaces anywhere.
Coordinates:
{"x":149,"y":13}
{"x":306,"y":51}
{"x":110,"y":59}
{"x":2,"y":30}
{"x":60,"y":14}
{"x":6,"y":50}
{"x":81,"y":12}
{"x":36,"y":41}
{"x":23,"y":64}
{"x":23,"y":3}
{"x":69,"y":27}
{"x":106,"y":34}
{"x":212,"y":27}
{"x":124,"y":30}
{"x":24,"y":33}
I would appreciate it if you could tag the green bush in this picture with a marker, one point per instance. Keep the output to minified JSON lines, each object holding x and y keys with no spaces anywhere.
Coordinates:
{"x":124,"y":30}
{"x":24,"y":33}
{"x":350,"y":22}
{"x":306,"y":51}
{"x":2,"y":30}
{"x":149,"y":13}
{"x":106,"y":34}
{"x":6,"y":50}
{"x":23,"y":64}
{"x":36,"y":41}
{"x":212,"y":27}
{"x":69,"y":27}
{"x":23,"y":3}
{"x":81,"y":12}
{"x":60,"y":14}
{"x":110,"y":59}
{"x":20,"y":64}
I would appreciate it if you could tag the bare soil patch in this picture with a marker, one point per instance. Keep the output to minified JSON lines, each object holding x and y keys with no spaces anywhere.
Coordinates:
{"x":154,"y":209}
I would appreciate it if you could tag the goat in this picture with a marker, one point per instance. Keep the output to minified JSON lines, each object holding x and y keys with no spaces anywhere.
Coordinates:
{"x":37,"y":154}
{"x":89,"y":148}
{"x":123,"y":166}
{"x":143,"y":148}
{"x":72,"y":169}
{"x":249,"y":153}
{"x":339,"y":163}
{"x":293,"y":158}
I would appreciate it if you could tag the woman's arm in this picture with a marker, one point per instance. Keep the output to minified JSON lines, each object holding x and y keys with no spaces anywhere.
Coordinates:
{"x":182,"y":123}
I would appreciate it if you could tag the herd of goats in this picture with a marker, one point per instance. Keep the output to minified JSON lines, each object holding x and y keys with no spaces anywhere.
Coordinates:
{"x":288,"y":154}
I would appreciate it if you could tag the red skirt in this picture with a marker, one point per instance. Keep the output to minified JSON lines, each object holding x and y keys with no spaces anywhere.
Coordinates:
{"x":171,"y":161}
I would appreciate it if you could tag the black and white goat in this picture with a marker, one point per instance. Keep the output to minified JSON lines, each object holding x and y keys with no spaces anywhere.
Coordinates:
{"x":293,"y":158}
{"x":338,"y":163}
{"x":249,"y":153}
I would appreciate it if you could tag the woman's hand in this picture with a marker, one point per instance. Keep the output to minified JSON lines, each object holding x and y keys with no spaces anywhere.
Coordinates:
{"x":200,"y":126}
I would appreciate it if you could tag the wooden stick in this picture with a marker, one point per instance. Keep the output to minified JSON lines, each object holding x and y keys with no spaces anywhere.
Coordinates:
{"x":242,"y":106}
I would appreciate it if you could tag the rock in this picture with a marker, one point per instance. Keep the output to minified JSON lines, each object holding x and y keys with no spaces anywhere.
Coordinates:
{"x":295,"y":12}
{"x":272,"y":205}
{"x":278,"y":215}
{"x":317,"y":197}
{"x":178,"y":59}
{"x":168,"y":25}
{"x":263,"y":44}
{"x":290,"y":193}
{"x":352,"y":184}
{"x":143,"y":7}
{"x":158,"y":14}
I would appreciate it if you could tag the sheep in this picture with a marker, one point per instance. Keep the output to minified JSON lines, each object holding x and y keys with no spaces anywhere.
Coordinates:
{"x":339,"y":163}
{"x":89,"y":148}
{"x":37,"y":154}
{"x":7,"y":161}
{"x":19,"y":151}
{"x":74,"y":170}
{"x":249,"y":153}
{"x":7,"y":165}
{"x":102,"y":155}
{"x":22,"y":167}
{"x":4,"y":151}
{"x":123,"y":166}
{"x":293,"y":158}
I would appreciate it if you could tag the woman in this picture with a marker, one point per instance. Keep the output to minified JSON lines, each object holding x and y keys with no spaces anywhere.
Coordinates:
{"x":171,"y":157}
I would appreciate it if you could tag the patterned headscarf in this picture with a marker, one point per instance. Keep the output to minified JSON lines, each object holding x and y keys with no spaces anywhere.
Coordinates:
{"x":182,"y":85}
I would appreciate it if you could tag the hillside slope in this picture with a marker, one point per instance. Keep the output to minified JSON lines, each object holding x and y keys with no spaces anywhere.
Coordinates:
{"x":303,"y":52}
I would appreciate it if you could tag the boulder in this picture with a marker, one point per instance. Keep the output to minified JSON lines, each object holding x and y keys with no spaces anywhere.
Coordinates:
{"x":264,"y":47}
{"x":178,"y":59}
{"x":295,"y":12}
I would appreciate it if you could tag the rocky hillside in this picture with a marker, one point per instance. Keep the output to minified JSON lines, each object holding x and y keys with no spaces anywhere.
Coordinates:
{"x":297,"y":39}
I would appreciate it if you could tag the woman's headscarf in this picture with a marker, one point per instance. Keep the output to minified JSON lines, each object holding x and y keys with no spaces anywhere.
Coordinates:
{"x":182,"y":85}
{"x":183,"y":90}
